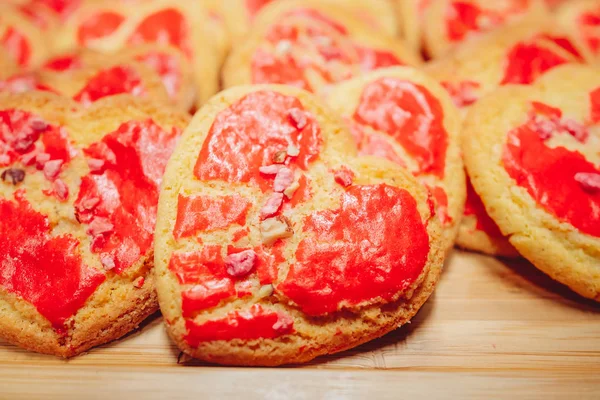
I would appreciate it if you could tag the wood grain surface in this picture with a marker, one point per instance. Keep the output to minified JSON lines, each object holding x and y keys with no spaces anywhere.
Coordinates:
{"x":491,"y":330}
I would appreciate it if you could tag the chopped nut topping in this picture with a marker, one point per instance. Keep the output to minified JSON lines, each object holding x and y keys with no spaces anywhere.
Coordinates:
{"x":14,"y":175}
{"x":139,"y":281}
{"x":273,"y":229}
{"x":344,"y":176}
{"x":272,"y":205}
{"x":283,"y":179}
{"x":283,"y":47}
{"x":265,"y":291}
{"x":39,"y":125}
{"x":283,"y":324}
{"x":575,"y":129}
{"x":25,"y":141}
{"x":269,"y":169}
{"x":589,"y":181}
{"x":298,"y":118}
{"x":41,"y":159}
{"x":61,"y":190}
{"x":29,"y":158}
{"x":290,"y":190}
{"x":99,"y":226}
{"x":240,"y":264}
{"x":52,"y":169}
{"x":279,"y":157}
{"x":95,"y":165}
{"x":107,"y":262}
{"x":293,"y":151}
{"x":89,"y":203}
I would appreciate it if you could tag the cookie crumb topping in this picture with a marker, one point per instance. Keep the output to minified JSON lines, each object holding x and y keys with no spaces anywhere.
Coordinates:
{"x":273,"y":229}
{"x":589,"y":181}
{"x":240,"y":264}
{"x":14,"y":175}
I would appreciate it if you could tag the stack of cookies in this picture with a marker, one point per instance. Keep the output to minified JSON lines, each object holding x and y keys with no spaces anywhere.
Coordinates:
{"x":309,"y":206}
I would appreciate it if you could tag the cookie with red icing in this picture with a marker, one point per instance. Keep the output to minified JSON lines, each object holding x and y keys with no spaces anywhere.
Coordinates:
{"x":533,"y":155}
{"x":520,"y":53}
{"x":310,"y":47}
{"x":448,"y":23}
{"x":22,"y":38}
{"x":275,"y":243}
{"x":582,"y":19}
{"x":240,"y":14}
{"x":405,"y":116}
{"x":167,"y":62}
{"x":97,"y":81}
{"x":78,"y":198}
{"x":185,"y":25}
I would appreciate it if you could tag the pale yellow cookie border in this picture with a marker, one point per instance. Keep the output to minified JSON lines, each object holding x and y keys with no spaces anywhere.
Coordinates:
{"x":555,"y":247}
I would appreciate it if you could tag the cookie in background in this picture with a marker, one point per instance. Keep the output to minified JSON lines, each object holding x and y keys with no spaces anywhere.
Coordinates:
{"x":109,"y":27}
{"x":448,"y":23}
{"x":311,"y":48}
{"x":78,"y":198}
{"x":93,"y":82}
{"x":403,"y":115}
{"x":170,"y":64}
{"x":516,"y":54}
{"x":240,"y":15}
{"x":581,"y":18}
{"x":263,"y":212}
{"x":533,"y":156}
{"x":22,"y":38}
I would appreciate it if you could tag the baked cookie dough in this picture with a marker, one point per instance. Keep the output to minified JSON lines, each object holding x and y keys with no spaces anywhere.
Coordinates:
{"x":185,"y":25}
{"x":533,"y":155}
{"x":166,"y":61}
{"x":78,"y":197}
{"x":448,"y":23}
{"x":519,"y":53}
{"x":311,"y":48}
{"x":275,"y":243}
{"x":241,"y":14}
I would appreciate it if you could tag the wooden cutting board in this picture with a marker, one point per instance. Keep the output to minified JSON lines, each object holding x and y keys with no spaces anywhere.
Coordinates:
{"x":490,"y":330}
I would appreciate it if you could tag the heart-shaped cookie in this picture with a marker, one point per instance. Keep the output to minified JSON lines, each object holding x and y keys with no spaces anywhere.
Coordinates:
{"x":94,"y":82}
{"x":310,"y":46}
{"x":275,"y":243}
{"x":240,"y":14}
{"x":166,"y":61}
{"x":448,"y":23}
{"x":185,"y":25}
{"x":78,"y":196}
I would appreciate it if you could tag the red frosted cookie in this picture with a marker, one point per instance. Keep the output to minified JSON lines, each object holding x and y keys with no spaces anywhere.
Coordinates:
{"x":21,"y":37}
{"x":240,"y":14}
{"x":276,"y":244}
{"x":582,"y":19}
{"x":448,"y":23}
{"x":311,"y":48}
{"x":533,"y":155}
{"x":89,"y":84}
{"x":78,"y":198}
{"x":169,"y":63}
{"x":405,"y":116}
{"x":519,"y":53}
{"x":184,"y":25}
